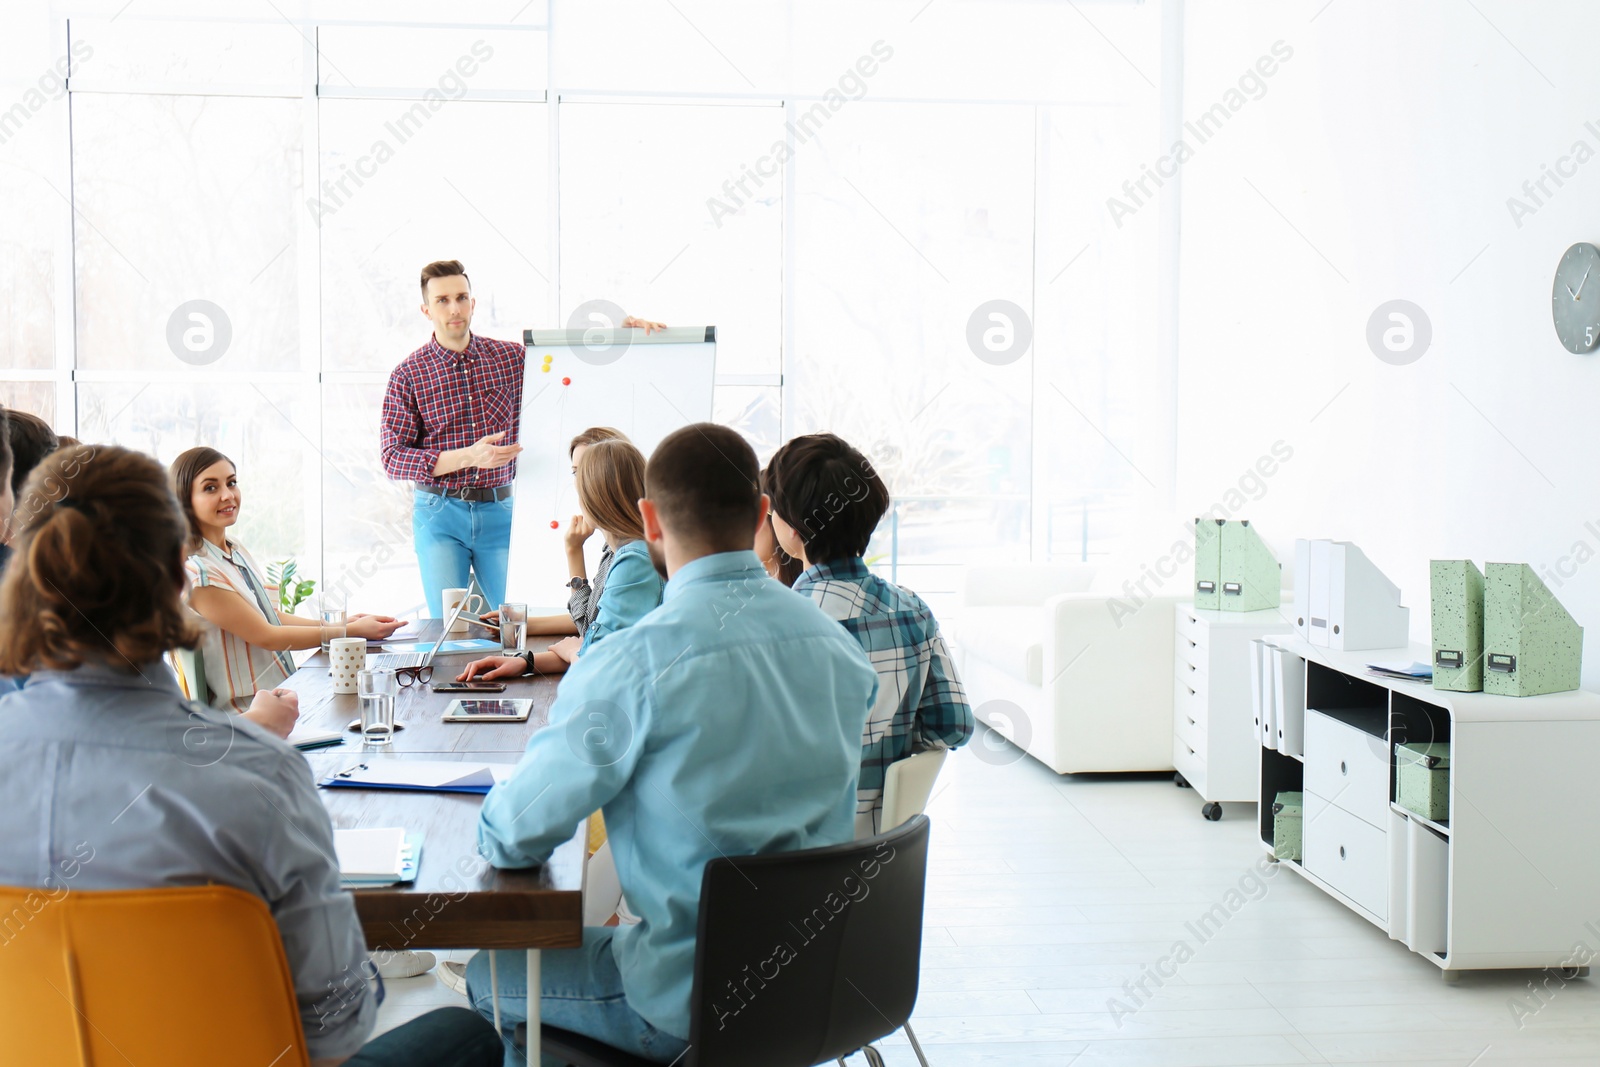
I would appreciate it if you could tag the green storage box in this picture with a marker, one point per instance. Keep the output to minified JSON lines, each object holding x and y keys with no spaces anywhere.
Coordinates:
{"x":1251,"y":577}
{"x":1208,"y":564}
{"x":1422,"y":779}
{"x":1457,"y":608}
{"x":1531,"y":645}
{"x":1288,"y":816}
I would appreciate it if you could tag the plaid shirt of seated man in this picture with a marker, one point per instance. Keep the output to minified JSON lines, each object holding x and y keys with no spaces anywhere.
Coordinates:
{"x":835,"y":500}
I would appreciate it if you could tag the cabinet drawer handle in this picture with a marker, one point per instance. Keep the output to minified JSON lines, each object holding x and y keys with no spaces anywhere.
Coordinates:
{"x":1343,"y":769}
{"x":1341,"y":852}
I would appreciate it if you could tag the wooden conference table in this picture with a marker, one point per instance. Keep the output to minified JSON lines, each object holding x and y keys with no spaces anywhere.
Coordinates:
{"x":458,"y":899}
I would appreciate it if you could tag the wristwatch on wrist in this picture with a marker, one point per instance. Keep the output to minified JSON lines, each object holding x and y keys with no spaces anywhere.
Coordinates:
{"x":577,"y":583}
{"x":527,"y":659}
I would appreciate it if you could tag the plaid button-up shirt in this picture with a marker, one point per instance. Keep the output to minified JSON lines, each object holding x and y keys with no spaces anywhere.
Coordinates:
{"x":438,"y":400}
{"x":921,"y":703}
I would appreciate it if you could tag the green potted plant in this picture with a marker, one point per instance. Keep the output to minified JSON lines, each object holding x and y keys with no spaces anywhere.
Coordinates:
{"x":281,"y":582}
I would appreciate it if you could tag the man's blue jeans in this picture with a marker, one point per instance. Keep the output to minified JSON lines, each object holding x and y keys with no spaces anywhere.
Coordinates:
{"x":455,"y":536}
{"x":582,"y":992}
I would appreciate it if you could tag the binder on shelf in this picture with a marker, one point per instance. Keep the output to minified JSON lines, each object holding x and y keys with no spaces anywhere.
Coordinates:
{"x":1364,"y":609}
{"x":1269,"y":699}
{"x":1531,"y":645}
{"x":1316,"y":582}
{"x":1207,"y":563}
{"x":1302,"y":588}
{"x":1427,"y":881}
{"x":1258,"y":688}
{"x":1289,"y":699}
{"x":1350,"y":605}
{"x":1456,"y":608}
{"x":1252,"y":577}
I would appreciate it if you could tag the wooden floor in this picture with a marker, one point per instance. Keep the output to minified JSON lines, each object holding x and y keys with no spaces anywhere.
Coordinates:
{"x":1046,"y":894}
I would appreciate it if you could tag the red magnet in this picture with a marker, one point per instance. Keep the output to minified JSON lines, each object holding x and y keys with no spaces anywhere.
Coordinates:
{"x":566,"y":381}
{"x":554,"y":524}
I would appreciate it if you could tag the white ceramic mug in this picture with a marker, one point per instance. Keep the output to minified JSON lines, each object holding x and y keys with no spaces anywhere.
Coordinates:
{"x":348,"y":655}
{"x":476,"y":604}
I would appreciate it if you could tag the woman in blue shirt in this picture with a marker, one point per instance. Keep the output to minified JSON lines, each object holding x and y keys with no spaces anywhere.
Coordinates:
{"x":88,"y":605}
{"x":626,"y":586}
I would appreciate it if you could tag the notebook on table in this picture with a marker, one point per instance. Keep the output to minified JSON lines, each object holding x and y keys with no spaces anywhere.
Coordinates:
{"x":307,"y":739}
{"x":376,"y":857}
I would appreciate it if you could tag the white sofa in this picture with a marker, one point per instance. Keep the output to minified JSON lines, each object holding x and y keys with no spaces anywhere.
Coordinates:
{"x":1094,"y":686}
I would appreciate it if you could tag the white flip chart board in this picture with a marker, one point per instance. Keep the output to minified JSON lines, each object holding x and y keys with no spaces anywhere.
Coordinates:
{"x":646,"y":387}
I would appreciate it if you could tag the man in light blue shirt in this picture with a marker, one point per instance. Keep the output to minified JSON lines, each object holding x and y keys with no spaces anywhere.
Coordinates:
{"x":727,"y":722}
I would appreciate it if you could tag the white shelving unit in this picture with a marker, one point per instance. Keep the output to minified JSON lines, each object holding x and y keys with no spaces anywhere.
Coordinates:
{"x":1214,"y":739}
{"x":1511,"y":878}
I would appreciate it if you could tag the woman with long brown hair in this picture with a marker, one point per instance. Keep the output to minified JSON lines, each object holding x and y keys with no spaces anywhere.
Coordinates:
{"x":104,"y":762}
{"x":246,"y":646}
{"x":610,"y":481}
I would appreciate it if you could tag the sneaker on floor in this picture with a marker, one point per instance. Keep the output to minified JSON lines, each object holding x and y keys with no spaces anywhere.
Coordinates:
{"x":453,"y":975}
{"x":404,"y":964}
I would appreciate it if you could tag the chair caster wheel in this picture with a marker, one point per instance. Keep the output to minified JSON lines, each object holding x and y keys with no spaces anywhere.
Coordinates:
{"x":1212,"y":811}
{"x":1179,"y":780}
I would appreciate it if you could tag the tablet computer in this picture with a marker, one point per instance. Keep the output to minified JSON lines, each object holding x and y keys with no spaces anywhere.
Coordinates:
{"x":475,"y":710}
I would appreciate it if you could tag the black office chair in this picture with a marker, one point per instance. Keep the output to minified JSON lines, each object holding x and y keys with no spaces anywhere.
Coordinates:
{"x":801,"y":957}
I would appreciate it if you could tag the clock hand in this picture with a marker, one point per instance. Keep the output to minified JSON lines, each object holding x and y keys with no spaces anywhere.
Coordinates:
{"x":1581,"y":281}
{"x":1568,"y":288}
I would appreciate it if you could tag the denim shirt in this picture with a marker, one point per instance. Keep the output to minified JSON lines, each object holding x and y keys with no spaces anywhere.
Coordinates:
{"x":632,"y":589}
{"x":726,"y":722}
{"x":109,"y":779}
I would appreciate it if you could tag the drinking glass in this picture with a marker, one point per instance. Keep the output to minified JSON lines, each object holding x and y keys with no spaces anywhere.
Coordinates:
{"x":513,"y":627}
{"x":331,"y":610}
{"x":377,"y":689}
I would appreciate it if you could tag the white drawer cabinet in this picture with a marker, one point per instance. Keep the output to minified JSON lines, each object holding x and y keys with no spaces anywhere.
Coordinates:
{"x":1214,"y":743}
{"x":1497,"y":882}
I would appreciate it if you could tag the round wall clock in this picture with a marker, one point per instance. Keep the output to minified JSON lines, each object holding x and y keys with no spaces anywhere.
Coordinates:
{"x":1575,"y":307}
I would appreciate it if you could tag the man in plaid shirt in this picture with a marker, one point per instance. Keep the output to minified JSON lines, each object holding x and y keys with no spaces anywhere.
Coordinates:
{"x":450,"y":420}
{"x":826,"y":501}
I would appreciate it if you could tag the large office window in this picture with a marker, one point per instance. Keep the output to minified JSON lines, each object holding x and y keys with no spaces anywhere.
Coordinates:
{"x":898,"y":243}
{"x":898,"y":227}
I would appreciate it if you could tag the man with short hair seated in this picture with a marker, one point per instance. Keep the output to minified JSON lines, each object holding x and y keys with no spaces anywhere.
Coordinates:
{"x":726,"y":722}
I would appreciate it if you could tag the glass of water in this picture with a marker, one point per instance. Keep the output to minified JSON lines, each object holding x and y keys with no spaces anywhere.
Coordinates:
{"x":377,"y":690}
{"x":331,"y":610}
{"x":513,"y":627}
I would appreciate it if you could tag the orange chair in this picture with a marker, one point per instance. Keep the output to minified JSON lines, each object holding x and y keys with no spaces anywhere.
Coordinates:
{"x":188,"y":977}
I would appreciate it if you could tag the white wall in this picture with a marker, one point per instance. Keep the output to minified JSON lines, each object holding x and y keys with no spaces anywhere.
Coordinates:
{"x":1391,"y":141}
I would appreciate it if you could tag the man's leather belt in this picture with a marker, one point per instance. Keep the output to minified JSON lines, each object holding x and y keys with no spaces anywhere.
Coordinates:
{"x":476,"y":496}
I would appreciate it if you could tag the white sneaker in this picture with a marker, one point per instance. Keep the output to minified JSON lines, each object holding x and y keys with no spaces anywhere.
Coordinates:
{"x":453,"y":976}
{"x":404,"y":964}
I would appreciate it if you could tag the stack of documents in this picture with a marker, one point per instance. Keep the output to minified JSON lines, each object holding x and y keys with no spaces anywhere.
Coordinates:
{"x":438,"y":776}
{"x":376,"y":857}
{"x":1407,"y":672}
